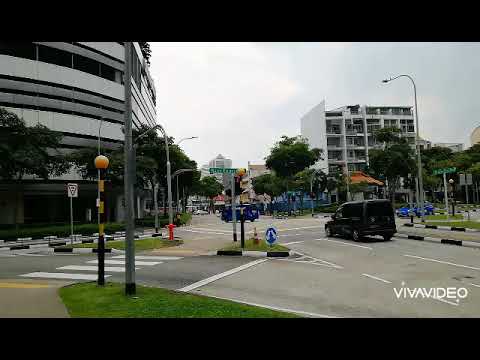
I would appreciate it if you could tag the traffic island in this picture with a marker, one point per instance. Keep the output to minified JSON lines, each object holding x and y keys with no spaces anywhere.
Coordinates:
{"x":140,"y":244}
{"x":87,"y":300}
{"x":260,"y":249}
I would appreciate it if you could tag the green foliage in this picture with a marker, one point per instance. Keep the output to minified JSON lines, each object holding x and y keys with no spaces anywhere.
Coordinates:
{"x":359,"y":187}
{"x":268,"y":184}
{"x":208,"y":187}
{"x":28,"y":150}
{"x":290,"y":156}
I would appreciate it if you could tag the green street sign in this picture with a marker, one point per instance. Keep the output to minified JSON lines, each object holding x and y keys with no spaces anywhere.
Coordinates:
{"x":444,"y":171}
{"x":222,"y":170}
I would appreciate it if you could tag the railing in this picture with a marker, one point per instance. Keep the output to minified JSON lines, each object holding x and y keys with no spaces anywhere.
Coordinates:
{"x":333,"y":130}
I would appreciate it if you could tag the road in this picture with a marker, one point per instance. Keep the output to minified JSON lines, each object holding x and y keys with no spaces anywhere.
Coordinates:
{"x":327,"y":277}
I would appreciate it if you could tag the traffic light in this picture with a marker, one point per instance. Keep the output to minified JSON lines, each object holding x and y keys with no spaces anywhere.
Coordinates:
{"x":238,"y":190}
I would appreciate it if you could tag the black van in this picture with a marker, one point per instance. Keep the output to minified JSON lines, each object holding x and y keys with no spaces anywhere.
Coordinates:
{"x":358,"y":218}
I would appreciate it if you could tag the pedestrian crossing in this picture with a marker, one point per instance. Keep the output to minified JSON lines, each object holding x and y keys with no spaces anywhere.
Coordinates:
{"x":84,"y":272}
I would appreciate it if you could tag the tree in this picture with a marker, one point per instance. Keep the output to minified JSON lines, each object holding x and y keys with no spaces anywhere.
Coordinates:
{"x":28,"y":151}
{"x":302,"y":180}
{"x":289,"y":156}
{"x":268,"y":184}
{"x":208,"y":187}
{"x":396,"y":160}
{"x":146,"y":51}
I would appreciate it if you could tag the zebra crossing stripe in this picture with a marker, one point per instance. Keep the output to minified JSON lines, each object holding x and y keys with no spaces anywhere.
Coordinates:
{"x":122,"y":262}
{"x":92,"y":268}
{"x":62,"y":276}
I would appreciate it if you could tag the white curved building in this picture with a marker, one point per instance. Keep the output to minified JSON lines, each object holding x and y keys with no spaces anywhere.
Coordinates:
{"x":475,"y":136}
{"x":75,"y":88}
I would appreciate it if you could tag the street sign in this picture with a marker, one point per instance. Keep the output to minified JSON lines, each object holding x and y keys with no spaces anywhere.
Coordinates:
{"x":271,"y":235}
{"x":72,"y":190}
{"x":222,"y":170}
{"x":444,"y":171}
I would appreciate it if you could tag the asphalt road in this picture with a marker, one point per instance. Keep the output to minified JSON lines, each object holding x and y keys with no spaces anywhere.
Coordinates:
{"x":326,"y":277}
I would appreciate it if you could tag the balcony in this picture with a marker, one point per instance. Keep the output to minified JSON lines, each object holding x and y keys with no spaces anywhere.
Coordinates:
{"x":334,"y":130}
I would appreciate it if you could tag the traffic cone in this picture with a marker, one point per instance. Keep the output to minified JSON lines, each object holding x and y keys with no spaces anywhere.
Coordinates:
{"x":255,"y":236}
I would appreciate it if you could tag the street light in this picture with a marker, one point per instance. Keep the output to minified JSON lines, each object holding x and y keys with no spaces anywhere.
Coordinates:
{"x":452,"y":183}
{"x":177,"y":173}
{"x":187,"y":138}
{"x":417,"y":142}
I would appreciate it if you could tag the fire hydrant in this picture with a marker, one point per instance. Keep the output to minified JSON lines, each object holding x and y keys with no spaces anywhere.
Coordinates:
{"x":170,"y":231}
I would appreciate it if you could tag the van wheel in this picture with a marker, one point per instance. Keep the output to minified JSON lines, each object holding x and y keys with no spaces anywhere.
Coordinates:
{"x":356,"y":236}
{"x":387,"y":237}
{"x":328,"y":231}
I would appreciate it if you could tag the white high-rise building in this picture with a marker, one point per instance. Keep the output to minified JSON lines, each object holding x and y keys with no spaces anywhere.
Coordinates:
{"x":346,"y":134}
{"x":218,"y":162}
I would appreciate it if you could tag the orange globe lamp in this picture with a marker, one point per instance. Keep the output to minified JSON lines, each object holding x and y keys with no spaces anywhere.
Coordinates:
{"x":101,"y":162}
{"x":241,"y":172}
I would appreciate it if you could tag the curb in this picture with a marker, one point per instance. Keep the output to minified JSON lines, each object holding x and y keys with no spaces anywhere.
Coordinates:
{"x":437,"y":227}
{"x":254,"y":253}
{"x":79,"y":250}
{"x":464,"y":243}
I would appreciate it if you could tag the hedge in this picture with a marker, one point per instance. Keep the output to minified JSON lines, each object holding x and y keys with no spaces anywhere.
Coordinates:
{"x":84,"y":229}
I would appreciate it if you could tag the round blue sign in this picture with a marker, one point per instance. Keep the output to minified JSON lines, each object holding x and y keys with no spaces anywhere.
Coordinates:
{"x":271,"y":235}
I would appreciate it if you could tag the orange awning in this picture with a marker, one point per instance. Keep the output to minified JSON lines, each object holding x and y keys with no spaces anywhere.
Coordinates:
{"x":358,"y":177}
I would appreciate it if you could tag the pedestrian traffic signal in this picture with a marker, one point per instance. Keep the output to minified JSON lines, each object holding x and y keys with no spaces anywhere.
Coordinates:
{"x":238,"y":189}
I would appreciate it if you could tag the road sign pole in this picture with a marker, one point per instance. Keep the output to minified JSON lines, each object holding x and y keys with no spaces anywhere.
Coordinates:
{"x":234,"y":209}
{"x":71,"y":220}
{"x":242,"y":228}
{"x":445,"y":193}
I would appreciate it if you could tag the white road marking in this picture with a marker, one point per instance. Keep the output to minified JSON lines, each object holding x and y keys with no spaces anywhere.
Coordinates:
{"x":377,"y":278}
{"x":277,"y":308}
{"x":62,"y":276}
{"x":445,"y":301}
{"x":293,"y":242}
{"x":207,"y":232}
{"x":344,"y":243}
{"x":474,"y":285}
{"x":206,"y":229}
{"x":93,"y":268}
{"x":300,"y":228}
{"x":308,"y":262}
{"x":141,"y":257}
{"x":26,"y":254}
{"x":221,"y":275}
{"x":122,"y":262}
{"x":316,"y":259}
{"x":443,"y":262}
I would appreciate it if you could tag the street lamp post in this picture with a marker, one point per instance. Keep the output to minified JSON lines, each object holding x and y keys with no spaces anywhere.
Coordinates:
{"x":417,"y":142}
{"x":101,"y":163}
{"x":452,"y":182}
{"x":177,"y":173}
{"x":187,"y":138}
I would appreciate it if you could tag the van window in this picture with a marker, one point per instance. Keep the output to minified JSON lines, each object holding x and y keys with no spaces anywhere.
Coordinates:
{"x":379,"y":209}
{"x":353,"y":210}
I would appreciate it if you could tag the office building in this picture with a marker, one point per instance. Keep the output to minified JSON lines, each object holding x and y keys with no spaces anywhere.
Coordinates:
{"x":76,"y":89}
{"x":455,"y":147}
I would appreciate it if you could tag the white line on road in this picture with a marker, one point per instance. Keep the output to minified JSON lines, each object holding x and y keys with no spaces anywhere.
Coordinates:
{"x":293,"y":242}
{"x":122,"y":262}
{"x":307,"y":262}
{"x":445,"y":301}
{"x":93,"y":268}
{"x":62,"y":276}
{"x":276,"y":308}
{"x":207,"y":232}
{"x":377,"y":278}
{"x":344,"y":243}
{"x":474,"y":285}
{"x":443,"y":262}
{"x":316,"y":259}
{"x":221,"y":275}
{"x":141,"y":257}
{"x":26,"y":254}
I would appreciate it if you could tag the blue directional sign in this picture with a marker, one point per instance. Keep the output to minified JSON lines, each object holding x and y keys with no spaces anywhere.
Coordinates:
{"x":271,"y":235}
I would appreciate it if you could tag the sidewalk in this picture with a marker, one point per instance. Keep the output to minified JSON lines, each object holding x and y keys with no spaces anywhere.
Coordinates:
{"x":25,"y":298}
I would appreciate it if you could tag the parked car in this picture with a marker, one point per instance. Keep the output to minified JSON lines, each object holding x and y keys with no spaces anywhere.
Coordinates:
{"x":404,"y":211}
{"x":356,"y":219}
{"x":200,"y":212}
{"x":251,"y":213}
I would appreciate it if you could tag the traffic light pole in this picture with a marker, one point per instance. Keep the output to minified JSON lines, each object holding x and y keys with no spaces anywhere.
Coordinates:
{"x":234,"y":210}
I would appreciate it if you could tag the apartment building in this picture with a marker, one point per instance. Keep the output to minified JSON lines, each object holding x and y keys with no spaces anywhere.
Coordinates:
{"x":346,"y":134}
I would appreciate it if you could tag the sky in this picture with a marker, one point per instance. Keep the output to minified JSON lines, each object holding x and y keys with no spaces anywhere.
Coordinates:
{"x":240,"y":98}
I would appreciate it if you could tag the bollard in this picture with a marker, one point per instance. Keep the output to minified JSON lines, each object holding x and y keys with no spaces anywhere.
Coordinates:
{"x":255,"y":236}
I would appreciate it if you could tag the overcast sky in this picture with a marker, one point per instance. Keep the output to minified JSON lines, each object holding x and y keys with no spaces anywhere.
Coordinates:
{"x":239,"y":98}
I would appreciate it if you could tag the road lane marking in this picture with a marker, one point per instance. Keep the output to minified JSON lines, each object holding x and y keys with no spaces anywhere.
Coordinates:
{"x":293,"y":242}
{"x":377,"y":278}
{"x":207,"y":232}
{"x":474,"y":285}
{"x":141,"y":257}
{"x":221,"y":275}
{"x":445,"y":301}
{"x":8,"y":285}
{"x":443,"y":262}
{"x":62,"y":276}
{"x":308,"y":262}
{"x":344,"y":243}
{"x":316,"y":259}
{"x":122,"y":262}
{"x":277,"y":308}
{"x":31,"y":255}
{"x":93,"y":268}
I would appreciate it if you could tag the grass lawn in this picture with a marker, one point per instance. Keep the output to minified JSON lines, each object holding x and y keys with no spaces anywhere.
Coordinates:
{"x":465,"y":224}
{"x":89,"y":300}
{"x":262,"y":246}
{"x":142,"y":244}
{"x":443,"y":217}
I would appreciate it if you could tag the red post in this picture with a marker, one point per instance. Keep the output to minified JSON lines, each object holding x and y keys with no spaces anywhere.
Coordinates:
{"x":170,"y":231}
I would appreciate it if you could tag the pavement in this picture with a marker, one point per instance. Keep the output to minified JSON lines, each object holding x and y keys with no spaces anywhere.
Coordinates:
{"x":327,"y":277}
